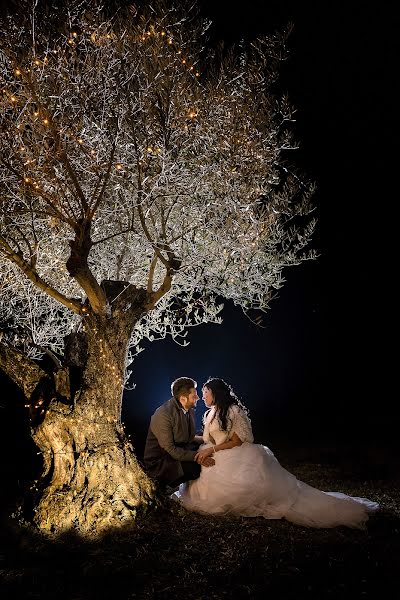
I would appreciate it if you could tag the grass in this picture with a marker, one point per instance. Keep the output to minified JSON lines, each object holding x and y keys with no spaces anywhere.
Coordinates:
{"x":173,"y":554}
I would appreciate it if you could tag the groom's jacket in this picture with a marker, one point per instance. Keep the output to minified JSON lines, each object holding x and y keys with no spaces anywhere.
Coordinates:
{"x":169,"y":441}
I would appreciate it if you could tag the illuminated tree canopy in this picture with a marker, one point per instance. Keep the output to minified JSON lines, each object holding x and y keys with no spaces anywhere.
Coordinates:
{"x":143,"y":177}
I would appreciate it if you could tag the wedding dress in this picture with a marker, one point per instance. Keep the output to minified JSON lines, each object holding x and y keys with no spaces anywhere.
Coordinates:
{"x":248,"y":480}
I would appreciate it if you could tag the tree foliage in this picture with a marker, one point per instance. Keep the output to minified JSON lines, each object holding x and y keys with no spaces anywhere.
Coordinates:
{"x":131,"y":152}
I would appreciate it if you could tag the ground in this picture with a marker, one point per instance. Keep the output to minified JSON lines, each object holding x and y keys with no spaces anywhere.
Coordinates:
{"x":173,"y":554}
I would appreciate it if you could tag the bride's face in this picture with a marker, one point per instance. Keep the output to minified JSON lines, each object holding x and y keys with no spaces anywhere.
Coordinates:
{"x":208,"y":397}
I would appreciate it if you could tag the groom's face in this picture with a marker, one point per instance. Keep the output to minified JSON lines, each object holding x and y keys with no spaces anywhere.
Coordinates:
{"x":189,"y":401}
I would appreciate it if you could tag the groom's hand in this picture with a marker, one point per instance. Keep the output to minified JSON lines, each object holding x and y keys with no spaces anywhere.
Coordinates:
{"x":208,"y":462}
{"x":201,"y":455}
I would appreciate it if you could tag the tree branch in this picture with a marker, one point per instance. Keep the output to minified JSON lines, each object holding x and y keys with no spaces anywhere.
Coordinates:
{"x":33,"y":276}
{"x":151,"y":275}
{"x":79,"y":269}
{"x":23,"y":371}
{"x":162,"y":290}
{"x":106,"y":179}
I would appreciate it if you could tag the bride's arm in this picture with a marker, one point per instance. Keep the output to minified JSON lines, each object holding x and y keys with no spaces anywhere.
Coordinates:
{"x":234,"y":441}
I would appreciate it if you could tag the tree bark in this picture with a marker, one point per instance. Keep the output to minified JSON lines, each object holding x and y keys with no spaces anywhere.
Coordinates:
{"x":23,"y":371}
{"x":91,"y":479}
{"x":94,"y":479}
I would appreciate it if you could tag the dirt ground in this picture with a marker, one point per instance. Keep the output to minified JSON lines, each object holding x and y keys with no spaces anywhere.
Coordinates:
{"x":173,"y":554}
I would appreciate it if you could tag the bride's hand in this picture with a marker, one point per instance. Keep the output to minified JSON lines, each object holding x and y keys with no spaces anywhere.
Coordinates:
{"x":203,"y":454}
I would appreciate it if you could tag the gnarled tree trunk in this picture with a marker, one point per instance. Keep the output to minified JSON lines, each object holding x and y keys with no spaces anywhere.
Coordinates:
{"x":95,"y":481}
{"x":91,"y":479}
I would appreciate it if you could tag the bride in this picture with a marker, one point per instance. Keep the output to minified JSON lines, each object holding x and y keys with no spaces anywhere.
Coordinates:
{"x":247,"y":479}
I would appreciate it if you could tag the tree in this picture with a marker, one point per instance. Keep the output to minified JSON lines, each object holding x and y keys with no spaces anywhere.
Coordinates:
{"x":142,"y":177}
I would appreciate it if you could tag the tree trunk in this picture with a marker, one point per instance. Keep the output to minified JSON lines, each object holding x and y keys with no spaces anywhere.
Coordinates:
{"x":94,"y":480}
{"x":91,"y":479}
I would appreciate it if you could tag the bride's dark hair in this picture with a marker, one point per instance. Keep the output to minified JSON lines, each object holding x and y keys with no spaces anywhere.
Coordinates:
{"x":224,"y":397}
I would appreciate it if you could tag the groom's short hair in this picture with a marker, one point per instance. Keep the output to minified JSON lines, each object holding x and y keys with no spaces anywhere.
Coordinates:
{"x":182,"y":386}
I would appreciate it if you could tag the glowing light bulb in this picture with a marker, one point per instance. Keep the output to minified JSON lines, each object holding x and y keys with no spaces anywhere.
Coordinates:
{"x":46,"y":121}
{"x":18,"y":72}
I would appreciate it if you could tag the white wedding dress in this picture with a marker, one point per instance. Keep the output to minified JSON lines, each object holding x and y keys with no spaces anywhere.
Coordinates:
{"x":249,"y":481}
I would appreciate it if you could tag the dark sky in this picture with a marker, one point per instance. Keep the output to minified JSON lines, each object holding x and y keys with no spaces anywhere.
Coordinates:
{"x":318,"y":367}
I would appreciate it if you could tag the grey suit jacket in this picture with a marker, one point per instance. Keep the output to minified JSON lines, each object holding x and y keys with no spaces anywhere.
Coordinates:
{"x":169,"y":441}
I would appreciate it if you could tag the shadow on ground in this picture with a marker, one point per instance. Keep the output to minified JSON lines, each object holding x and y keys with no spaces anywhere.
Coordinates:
{"x":172,"y":554}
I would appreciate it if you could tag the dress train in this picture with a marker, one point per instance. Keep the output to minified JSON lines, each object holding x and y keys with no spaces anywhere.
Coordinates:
{"x":249,"y":481}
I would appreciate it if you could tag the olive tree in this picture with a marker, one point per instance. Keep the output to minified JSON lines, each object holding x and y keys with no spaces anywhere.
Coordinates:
{"x":143,"y":177}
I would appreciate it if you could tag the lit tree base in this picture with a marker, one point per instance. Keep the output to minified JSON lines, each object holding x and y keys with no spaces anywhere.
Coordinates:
{"x":94,"y":481}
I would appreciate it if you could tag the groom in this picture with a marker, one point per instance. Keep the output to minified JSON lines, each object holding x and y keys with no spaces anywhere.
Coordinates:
{"x":171,"y":444}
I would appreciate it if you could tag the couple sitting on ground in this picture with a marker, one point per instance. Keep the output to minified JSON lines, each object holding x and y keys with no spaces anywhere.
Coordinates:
{"x":222,"y":471}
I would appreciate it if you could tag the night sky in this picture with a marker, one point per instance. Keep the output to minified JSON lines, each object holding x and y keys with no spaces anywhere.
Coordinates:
{"x":317,"y":369}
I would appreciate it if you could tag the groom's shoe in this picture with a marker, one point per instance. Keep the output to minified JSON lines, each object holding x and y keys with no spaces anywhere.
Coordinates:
{"x":166,"y":490}
{"x":169,"y":490}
